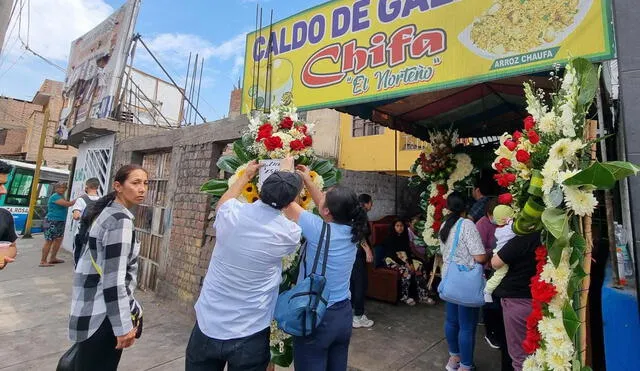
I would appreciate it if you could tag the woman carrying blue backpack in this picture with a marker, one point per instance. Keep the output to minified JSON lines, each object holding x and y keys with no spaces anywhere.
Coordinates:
{"x":327,"y":347}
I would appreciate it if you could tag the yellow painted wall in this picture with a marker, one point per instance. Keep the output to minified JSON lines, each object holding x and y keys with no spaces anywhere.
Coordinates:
{"x":374,"y":152}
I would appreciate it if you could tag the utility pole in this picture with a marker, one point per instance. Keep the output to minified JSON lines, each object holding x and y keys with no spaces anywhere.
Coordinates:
{"x":36,"y":174}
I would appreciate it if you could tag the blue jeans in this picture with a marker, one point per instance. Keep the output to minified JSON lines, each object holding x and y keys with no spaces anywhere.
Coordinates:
{"x":250,"y":353}
{"x":327,"y":349}
{"x":460,"y":330}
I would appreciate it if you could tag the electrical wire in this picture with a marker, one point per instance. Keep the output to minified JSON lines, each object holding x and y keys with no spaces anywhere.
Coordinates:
{"x":13,"y":65}
{"x":6,"y":51}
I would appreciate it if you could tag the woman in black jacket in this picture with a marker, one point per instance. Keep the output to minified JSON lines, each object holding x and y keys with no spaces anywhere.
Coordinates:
{"x":398,"y":256}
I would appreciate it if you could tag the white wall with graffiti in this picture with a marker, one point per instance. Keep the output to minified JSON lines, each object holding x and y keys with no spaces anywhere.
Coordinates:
{"x":94,"y":161}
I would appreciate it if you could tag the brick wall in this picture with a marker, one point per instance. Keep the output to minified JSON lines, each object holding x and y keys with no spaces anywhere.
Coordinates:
{"x":235,"y":103}
{"x":381,"y":187}
{"x":189,"y":250}
{"x":13,"y":141}
{"x":16,"y":112}
{"x":25,"y":118}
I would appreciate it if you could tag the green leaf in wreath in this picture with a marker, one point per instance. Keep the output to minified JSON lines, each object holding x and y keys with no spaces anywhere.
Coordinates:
{"x":215,"y":187}
{"x":556,"y":222}
{"x":587,"y":75}
{"x":555,"y":253}
{"x":322,"y":166}
{"x":621,"y":169}
{"x":596,"y":175}
{"x":570,"y":320}
{"x":229,"y":163}
{"x":575,"y":282}
{"x":283,"y":359}
{"x":579,"y":245}
{"x":240,"y":150}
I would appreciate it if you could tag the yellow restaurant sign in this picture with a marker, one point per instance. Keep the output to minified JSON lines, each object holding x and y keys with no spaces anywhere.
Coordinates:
{"x":346,"y":52}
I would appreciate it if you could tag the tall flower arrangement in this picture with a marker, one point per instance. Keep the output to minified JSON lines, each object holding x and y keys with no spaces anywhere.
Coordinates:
{"x":551,"y":179}
{"x":276,"y":135}
{"x":439,"y":170}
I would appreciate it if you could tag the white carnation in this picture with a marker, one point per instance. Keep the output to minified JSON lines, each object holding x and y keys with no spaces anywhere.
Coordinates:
{"x":581,"y":202}
{"x":549,"y":124}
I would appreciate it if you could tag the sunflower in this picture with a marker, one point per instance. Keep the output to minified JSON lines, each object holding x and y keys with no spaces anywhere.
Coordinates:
{"x":305,"y":200}
{"x":250,"y":193}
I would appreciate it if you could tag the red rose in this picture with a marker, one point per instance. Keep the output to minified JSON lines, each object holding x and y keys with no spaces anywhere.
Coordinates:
{"x":529,"y":123}
{"x":534,"y":138}
{"x":308,"y":142}
{"x":505,"y":199}
{"x":505,"y":162}
{"x":436,"y":225}
{"x":511,"y":145}
{"x":501,"y":180}
{"x":273,"y":143}
{"x":510,"y":177}
{"x":499,"y":167}
{"x":286,"y":123}
{"x":542,"y":291}
{"x":517,"y":135}
{"x":296,"y":145}
{"x":264,"y":132}
{"x":303,"y":129}
{"x":442,"y":189}
{"x":523,"y":156}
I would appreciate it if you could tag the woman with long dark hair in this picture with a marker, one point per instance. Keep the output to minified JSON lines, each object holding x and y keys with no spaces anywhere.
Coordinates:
{"x":328,"y":347}
{"x":398,"y":256}
{"x":461,"y":322}
{"x":105,"y":317}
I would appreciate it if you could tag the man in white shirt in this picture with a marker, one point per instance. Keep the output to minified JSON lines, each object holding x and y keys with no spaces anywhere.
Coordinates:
{"x":91,"y":187}
{"x":239,"y":293}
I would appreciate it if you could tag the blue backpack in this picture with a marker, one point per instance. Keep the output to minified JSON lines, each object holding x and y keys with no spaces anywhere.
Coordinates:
{"x":300,"y":310}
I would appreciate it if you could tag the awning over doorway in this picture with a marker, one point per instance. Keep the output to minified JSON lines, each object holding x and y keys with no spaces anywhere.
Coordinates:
{"x":480,"y":110}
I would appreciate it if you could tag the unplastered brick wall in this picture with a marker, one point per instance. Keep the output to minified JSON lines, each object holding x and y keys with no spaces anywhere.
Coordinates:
{"x":187,"y":259}
{"x":382,"y":187}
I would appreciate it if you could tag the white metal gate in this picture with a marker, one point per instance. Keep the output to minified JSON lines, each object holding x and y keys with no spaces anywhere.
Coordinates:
{"x":93,"y":161}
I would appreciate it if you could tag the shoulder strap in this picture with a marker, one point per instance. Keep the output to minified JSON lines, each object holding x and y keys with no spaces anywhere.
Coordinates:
{"x":319,"y":249}
{"x":326,"y":250}
{"x":93,"y":262}
{"x":455,"y":240}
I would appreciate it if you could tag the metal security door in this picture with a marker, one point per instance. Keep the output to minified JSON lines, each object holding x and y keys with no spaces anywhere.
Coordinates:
{"x":150,"y":218}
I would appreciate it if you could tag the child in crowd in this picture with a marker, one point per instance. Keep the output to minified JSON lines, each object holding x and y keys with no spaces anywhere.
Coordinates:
{"x":503,"y":219}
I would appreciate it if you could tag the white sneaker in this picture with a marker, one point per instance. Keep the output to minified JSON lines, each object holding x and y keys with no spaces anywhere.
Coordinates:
{"x":488,"y":298}
{"x":362,"y":322}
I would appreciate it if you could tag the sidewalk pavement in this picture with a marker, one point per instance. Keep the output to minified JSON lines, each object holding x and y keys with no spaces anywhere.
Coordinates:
{"x":34,"y":309}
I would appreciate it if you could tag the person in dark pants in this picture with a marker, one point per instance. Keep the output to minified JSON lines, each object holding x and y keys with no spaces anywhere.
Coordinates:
{"x":492,"y":312}
{"x":359,"y":279}
{"x":514,"y":291}
{"x":327,"y":348}
{"x":105,"y":316}
{"x":240,"y":290}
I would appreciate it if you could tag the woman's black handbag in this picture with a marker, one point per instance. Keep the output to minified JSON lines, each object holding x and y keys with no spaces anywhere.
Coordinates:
{"x":68,"y":360}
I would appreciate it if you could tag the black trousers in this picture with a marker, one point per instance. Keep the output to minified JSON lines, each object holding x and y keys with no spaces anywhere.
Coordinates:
{"x":359,"y":282}
{"x":494,"y":327}
{"x":99,"y":353}
{"x":250,"y":353}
